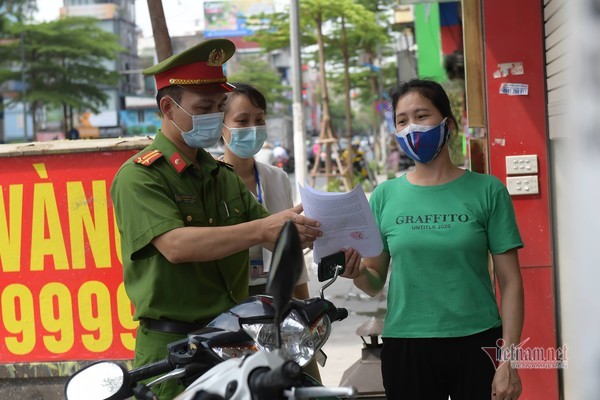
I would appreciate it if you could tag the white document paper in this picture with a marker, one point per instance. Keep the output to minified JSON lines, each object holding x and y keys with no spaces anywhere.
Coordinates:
{"x":346,"y":221}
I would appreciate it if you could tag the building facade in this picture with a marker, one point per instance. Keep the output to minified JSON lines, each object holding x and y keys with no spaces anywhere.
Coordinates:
{"x":117,"y":17}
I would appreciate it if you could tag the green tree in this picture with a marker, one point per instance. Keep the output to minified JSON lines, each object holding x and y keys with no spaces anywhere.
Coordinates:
{"x":15,"y":10}
{"x":277,"y":35}
{"x":359,"y":19}
{"x":11,"y":11}
{"x":352,"y":31}
{"x":67,"y":63}
{"x":260,"y":74}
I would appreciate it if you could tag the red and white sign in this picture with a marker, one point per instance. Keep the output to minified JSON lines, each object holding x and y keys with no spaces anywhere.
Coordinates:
{"x":61,"y":279}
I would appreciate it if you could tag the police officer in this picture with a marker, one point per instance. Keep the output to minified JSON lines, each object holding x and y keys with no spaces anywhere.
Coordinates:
{"x":186,"y":220}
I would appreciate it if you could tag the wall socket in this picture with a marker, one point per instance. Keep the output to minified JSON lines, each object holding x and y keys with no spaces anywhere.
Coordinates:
{"x":522,"y":185}
{"x":525,"y":164}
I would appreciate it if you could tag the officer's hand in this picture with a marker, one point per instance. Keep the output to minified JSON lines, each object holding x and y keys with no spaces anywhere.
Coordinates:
{"x":307,"y":227}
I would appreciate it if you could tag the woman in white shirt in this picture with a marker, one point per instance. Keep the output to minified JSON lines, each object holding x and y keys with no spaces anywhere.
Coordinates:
{"x":244,"y":132}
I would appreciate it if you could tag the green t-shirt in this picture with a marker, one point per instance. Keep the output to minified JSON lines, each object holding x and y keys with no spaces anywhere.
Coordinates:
{"x":438,"y":238}
{"x":153,"y":193}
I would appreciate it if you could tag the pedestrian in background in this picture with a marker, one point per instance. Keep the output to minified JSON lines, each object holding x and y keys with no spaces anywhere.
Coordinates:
{"x":438,"y":223}
{"x":265,"y":155}
{"x":187,"y":220}
{"x":73,"y":133}
{"x":280,"y":153}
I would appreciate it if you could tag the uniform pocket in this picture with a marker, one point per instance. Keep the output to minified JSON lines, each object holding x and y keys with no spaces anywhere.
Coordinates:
{"x":232,"y":211}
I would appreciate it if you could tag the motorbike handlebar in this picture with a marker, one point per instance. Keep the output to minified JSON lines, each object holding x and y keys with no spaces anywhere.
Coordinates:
{"x":269,"y":383}
{"x":340,"y":314}
{"x":151,"y":370}
{"x":335,"y":313}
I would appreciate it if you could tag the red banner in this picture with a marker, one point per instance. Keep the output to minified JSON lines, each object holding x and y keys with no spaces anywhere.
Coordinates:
{"x":61,"y":282}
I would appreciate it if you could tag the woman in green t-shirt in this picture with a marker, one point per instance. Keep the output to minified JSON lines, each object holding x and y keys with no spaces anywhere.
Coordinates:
{"x":439,"y":223}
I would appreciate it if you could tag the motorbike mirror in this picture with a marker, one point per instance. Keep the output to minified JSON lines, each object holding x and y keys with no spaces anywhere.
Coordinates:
{"x":286,"y":266}
{"x":99,"y":381}
{"x":329,"y":264}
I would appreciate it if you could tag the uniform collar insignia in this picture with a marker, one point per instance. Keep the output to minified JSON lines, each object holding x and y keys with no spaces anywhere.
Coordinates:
{"x":178,"y":162}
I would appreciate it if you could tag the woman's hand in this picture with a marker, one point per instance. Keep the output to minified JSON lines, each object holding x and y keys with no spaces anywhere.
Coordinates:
{"x":353,"y":264}
{"x":369,"y":275}
{"x":507,"y":383}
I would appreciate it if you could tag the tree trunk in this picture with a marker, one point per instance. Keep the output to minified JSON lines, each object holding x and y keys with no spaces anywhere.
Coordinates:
{"x":373,"y":89}
{"x":326,"y":130}
{"x":71,"y":122}
{"x":65,"y":120}
{"x":33,"y":110}
{"x":160,"y":31}
{"x":327,"y":135}
{"x":1,"y":120}
{"x":373,"y":85}
{"x":349,"y":150}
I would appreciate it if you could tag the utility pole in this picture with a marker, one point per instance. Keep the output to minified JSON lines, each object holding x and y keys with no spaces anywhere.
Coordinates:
{"x":297,"y":109}
{"x":160,"y":31}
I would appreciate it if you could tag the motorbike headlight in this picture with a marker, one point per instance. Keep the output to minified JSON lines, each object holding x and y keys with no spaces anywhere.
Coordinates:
{"x":320,"y":331}
{"x":298,"y":341}
{"x":234,"y":351}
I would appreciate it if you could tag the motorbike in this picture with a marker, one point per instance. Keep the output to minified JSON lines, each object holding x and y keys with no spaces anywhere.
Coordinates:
{"x":255,"y":350}
{"x":360,"y":167}
{"x":286,"y":164}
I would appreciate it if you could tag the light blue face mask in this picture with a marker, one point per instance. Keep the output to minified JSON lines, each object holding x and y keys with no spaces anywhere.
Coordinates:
{"x":206,"y":129}
{"x":246,"y":142}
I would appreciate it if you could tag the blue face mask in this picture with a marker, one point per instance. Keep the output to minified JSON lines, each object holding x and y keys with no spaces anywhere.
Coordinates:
{"x":246,"y":142}
{"x":206,"y":129}
{"x":423,"y":143}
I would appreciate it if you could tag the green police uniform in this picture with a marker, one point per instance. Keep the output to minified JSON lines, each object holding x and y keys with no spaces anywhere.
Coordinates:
{"x":172,"y":193}
{"x":159,"y":190}
{"x":154,"y":192}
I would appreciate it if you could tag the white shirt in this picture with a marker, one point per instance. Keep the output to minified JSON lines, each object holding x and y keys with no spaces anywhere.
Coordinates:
{"x":276,"y":191}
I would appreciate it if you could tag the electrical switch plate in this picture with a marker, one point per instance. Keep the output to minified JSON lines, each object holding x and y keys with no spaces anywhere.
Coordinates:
{"x":525,"y":164}
{"x":522,"y":185}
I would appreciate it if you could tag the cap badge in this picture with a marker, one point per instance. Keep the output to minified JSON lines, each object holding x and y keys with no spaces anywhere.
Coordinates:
{"x":215,"y":58}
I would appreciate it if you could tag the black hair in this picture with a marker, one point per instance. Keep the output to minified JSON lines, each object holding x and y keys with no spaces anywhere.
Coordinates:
{"x":252,"y":93}
{"x":175,"y":92}
{"x":429,"y":89}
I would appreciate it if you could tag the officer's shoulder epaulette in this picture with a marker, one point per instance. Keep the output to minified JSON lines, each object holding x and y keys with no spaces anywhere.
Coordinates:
{"x":148,"y":157}
{"x":224,"y":164}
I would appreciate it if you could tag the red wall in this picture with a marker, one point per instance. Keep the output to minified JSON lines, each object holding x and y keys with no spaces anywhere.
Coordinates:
{"x":451,"y":38}
{"x":513,"y":32}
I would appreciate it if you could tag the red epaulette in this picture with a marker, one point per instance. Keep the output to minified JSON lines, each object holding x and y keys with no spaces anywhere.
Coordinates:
{"x":148,"y":158}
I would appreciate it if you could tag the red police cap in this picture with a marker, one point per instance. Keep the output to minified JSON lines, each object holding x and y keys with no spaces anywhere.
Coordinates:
{"x":201,"y":64}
